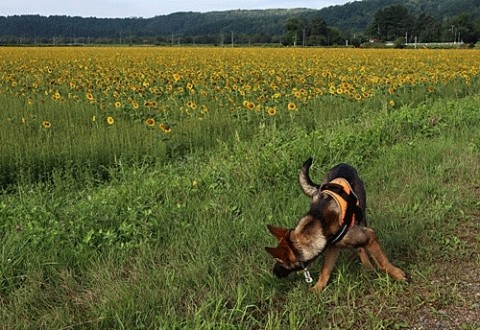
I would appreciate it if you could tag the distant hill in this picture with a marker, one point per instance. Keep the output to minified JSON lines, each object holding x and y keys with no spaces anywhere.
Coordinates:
{"x":216,"y":27}
{"x":355,"y":16}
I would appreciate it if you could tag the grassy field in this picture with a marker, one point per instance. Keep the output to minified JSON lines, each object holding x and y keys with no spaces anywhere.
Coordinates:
{"x":109,"y":222}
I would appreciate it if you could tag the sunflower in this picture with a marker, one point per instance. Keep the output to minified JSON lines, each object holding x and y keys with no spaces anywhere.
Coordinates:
{"x":191,"y":105}
{"x":118,"y":104}
{"x":56,"y":96}
{"x":272,"y":111}
{"x":391,"y":103}
{"x":292,"y":106}
{"x":165,"y":127}
{"x":46,"y":124}
{"x":176,"y":77}
{"x":89,"y":96}
{"x":110,"y":120}
{"x":249,"y":105}
{"x":135,"y":105}
{"x":150,"y":122}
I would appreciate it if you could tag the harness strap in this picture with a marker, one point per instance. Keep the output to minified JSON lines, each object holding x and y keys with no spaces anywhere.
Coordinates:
{"x":350,"y":211}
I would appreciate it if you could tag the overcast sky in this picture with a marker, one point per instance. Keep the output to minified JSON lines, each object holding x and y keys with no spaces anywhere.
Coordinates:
{"x":146,"y":8}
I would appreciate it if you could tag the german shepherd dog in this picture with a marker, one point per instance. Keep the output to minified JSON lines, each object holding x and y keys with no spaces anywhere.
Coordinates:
{"x":336,"y":220}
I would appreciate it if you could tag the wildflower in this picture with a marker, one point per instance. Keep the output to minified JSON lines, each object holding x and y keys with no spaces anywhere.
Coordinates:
{"x":46,"y":124}
{"x":165,"y":128}
{"x":249,"y":105}
{"x":110,"y":120}
{"x":272,"y":111}
{"x":191,"y":105}
{"x":150,"y":122}
{"x":56,"y":96}
{"x":391,"y":103}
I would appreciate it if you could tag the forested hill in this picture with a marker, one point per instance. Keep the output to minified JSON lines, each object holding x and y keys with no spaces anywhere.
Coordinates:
{"x":217,"y":27}
{"x":356,"y":16}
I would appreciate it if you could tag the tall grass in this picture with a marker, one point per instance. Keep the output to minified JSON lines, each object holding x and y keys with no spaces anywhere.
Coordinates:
{"x":178,"y":243}
{"x":127,"y":226}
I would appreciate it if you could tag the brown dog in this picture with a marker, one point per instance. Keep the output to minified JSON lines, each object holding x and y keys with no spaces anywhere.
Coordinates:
{"x":335,"y":220}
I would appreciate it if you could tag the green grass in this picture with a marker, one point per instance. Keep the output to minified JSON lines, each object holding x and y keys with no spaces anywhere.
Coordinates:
{"x":177,"y":241}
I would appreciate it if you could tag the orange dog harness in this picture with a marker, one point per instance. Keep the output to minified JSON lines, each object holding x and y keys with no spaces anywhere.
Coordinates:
{"x":350,"y":212}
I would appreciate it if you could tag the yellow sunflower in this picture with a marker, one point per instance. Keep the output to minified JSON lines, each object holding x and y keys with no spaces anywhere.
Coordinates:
{"x":272,"y":111}
{"x":110,"y":120}
{"x":46,"y":124}
{"x":292,"y":106}
{"x":150,"y":122}
{"x":165,"y":128}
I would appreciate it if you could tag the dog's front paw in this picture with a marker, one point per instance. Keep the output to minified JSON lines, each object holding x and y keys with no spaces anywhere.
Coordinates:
{"x":319,"y":287}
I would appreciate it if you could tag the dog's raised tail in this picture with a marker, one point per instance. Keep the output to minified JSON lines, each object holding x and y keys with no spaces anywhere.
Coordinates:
{"x":308,"y":186}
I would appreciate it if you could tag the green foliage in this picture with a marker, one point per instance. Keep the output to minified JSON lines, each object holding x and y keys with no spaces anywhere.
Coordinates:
{"x":433,"y":19}
{"x":178,"y":242}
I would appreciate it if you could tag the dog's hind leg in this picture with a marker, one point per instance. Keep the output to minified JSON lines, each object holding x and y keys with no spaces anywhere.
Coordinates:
{"x":373,"y":247}
{"x":365,"y":259}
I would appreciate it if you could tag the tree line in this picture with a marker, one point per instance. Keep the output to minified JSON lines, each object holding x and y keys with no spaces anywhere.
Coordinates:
{"x":301,"y":27}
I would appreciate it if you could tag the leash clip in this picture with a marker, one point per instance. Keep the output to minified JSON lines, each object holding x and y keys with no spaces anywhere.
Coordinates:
{"x":308,"y":277}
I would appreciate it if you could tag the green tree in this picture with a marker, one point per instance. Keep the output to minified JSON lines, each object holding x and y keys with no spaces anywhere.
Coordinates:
{"x":427,"y":28}
{"x":295,"y":31}
{"x":317,"y":32}
{"x":391,"y":23}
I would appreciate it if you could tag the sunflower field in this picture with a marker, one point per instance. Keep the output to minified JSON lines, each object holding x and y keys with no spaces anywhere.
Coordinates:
{"x":136,"y":184}
{"x":94,"y":106}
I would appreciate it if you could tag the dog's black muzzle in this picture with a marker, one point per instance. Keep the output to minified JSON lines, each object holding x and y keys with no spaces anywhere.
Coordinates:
{"x":280,"y":271}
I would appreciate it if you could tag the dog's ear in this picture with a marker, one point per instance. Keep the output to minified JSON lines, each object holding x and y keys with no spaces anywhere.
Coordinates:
{"x":278,"y":232}
{"x":279,"y":252}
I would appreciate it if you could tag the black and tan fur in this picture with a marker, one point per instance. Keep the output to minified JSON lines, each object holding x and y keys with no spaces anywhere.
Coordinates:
{"x":310,"y":238}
